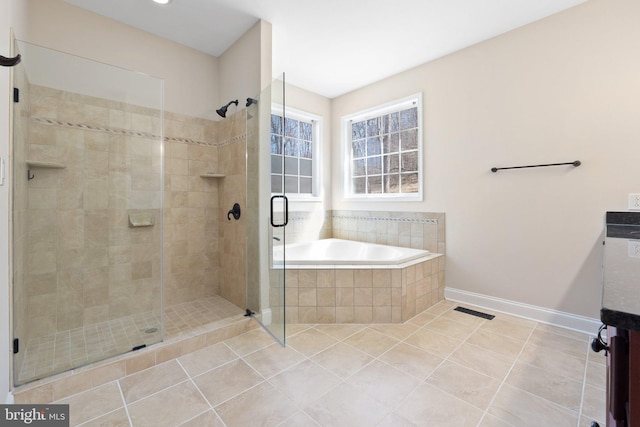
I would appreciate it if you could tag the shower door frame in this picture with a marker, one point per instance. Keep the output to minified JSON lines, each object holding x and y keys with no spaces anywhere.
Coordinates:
{"x":266,"y":280}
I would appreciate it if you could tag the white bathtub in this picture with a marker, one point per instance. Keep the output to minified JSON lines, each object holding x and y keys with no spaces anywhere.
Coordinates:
{"x":346,"y":252}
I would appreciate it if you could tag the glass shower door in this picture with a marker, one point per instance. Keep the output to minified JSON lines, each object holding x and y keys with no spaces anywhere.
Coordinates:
{"x":86,"y":212}
{"x":266,"y":245}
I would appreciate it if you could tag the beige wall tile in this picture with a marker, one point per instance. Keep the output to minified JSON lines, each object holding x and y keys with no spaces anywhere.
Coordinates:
{"x":326,"y":278}
{"x":307,"y":297}
{"x":344,"y":278}
{"x":326,"y":297}
{"x":140,"y":362}
{"x":381,"y":297}
{"x":363,"y":297}
{"x":326,"y":315}
{"x":307,"y":314}
{"x":345,"y":297}
{"x":363,"y":278}
{"x":345,"y":314}
{"x":381,"y":278}
{"x":363,"y":314}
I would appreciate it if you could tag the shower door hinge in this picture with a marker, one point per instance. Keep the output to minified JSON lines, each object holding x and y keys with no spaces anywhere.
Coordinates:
{"x":16,"y":345}
{"x":16,"y":94}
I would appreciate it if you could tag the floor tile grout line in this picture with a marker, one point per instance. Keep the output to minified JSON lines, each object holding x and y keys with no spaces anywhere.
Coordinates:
{"x":444,"y":360}
{"x":158,"y":391}
{"x":555,"y":404}
{"x":513,"y":364}
{"x":300,"y":411}
{"x":400,"y":341}
{"x":376,"y":358}
{"x":201,"y":394}
{"x":213,"y":369}
{"x":102,"y":415}
{"x":124,"y":403}
{"x":584,"y":384}
{"x":283,"y":370}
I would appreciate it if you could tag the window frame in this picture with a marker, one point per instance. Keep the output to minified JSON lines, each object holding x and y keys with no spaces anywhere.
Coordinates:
{"x":397,"y":105}
{"x":316,"y":152}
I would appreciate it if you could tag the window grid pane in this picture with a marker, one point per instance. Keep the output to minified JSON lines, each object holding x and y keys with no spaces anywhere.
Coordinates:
{"x":292,"y":141}
{"x":385,"y":154}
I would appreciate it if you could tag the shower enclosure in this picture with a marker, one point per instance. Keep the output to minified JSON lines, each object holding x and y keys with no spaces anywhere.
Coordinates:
{"x":87,"y":173}
{"x":121,"y":236}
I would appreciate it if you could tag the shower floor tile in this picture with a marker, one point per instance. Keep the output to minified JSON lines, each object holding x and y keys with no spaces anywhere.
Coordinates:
{"x":66,"y":350}
{"x":329,"y":376}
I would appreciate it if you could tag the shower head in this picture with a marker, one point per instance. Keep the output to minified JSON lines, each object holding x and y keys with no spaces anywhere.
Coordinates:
{"x":222,"y":111}
{"x":251,"y":101}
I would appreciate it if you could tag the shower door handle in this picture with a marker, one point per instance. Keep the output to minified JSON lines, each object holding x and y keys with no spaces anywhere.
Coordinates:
{"x":286,"y":210}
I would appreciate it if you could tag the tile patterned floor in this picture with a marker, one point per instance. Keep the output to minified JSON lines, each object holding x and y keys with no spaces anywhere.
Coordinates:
{"x":47,"y":355}
{"x":441,"y":368}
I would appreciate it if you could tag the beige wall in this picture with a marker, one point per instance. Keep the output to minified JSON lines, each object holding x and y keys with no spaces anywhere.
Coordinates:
{"x":190,"y":76}
{"x":564,"y":88}
{"x":310,"y":102}
{"x":240,"y":68}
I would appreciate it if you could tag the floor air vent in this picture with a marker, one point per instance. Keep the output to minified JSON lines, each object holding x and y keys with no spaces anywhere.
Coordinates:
{"x":474,"y":313}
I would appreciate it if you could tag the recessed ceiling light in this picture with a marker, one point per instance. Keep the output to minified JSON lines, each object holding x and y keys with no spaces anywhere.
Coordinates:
{"x":162,"y":1}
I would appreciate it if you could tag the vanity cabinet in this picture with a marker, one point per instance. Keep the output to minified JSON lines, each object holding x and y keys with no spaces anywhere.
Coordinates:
{"x":620,"y":312}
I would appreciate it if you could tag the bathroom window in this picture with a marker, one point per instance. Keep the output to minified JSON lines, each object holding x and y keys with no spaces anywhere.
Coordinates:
{"x":383,"y":151}
{"x":295,"y":140}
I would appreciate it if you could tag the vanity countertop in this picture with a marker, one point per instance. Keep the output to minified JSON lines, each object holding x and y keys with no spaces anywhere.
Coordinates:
{"x":621,"y":285}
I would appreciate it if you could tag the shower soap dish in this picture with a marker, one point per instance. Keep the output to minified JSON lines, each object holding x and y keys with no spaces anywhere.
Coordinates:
{"x":141,"y":220}
{"x":212,"y":175}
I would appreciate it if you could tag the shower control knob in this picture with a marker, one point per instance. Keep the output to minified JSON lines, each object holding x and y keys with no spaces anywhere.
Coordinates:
{"x":235,"y":211}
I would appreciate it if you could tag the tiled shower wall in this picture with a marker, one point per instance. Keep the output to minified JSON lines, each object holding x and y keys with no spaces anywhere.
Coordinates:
{"x":191,"y":261}
{"x":96,"y":273}
{"x":84,"y":264}
{"x":111,"y":154}
{"x":232,"y":145}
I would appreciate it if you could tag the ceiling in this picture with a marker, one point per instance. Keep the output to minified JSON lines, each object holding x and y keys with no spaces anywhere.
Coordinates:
{"x":331,"y":47}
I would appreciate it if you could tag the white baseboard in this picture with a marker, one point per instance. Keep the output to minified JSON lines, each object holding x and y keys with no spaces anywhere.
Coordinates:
{"x":9,"y":399}
{"x":561,"y":319}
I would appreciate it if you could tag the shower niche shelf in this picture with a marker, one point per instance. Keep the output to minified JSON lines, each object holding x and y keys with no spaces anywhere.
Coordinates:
{"x":33,"y":164}
{"x":212,"y":175}
{"x":44,"y":165}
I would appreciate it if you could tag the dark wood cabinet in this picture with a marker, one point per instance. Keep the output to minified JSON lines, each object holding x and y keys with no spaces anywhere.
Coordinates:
{"x":623,"y":378}
{"x":621,"y":313}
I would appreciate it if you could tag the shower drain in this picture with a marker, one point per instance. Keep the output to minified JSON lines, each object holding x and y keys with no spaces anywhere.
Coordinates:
{"x":151,"y":331}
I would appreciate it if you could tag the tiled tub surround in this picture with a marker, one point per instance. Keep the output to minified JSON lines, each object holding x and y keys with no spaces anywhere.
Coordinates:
{"x":418,"y":230}
{"x":441,"y":368}
{"x":361,"y":294}
{"x":364,"y":294}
